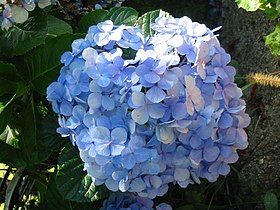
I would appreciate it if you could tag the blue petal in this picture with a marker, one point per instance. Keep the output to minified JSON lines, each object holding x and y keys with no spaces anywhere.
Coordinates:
{"x":138,"y":99}
{"x":140,"y":115}
{"x":156,"y":111}
{"x":225,"y":121}
{"x":94,"y":100}
{"x":181,"y":174}
{"x":195,"y":141}
{"x":66,"y":108}
{"x":210,"y":154}
{"x":137,"y":185}
{"x":155,"y":94}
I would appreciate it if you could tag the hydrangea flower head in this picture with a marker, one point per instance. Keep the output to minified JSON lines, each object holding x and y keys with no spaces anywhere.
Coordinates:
{"x":170,"y":114}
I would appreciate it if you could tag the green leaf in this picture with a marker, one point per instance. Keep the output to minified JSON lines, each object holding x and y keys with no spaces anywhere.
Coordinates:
{"x":10,"y":153}
{"x":249,"y":5}
{"x":91,"y":18}
{"x":49,"y":139}
{"x":270,"y":201}
{"x":8,"y":77}
{"x":73,"y":183}
{"x":145,"y":21}
{"x":43,"y":62}
{"x":22,"y":38}
{"x":28,"y":134}
{"x":5,"y":118}
{"x":54,"y":200}
{"x":122,"y":15}
{"x":57,"y":27}
{"x":273,"y":40}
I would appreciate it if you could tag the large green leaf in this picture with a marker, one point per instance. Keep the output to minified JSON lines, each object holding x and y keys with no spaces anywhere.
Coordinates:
{"x":10,"y":153}
{"x":8,"y":78}
{"x":73,"y":183}
{"x":91,"y":18}
{"x":145,"y":21}
{"x":57,"y":27}
{"x":273,"y":40}
{"x":249,"y":5}
{"x":28,"y":134}
{"x":270,"y":201}
{"x":5,"y":117}
{"x":122,"y":15}
{"x":43,"y":62}
{"x":23,"y":37}
{"x":49,"y":139}
{"x":54,"y":200}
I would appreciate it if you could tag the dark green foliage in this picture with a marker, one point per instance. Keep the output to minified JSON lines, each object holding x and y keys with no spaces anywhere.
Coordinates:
{"x":73,"y":183}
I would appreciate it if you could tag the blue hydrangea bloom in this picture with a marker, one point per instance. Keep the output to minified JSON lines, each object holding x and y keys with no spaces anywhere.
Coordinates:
{"x":125,"y":201}
{"x":170,"y":114}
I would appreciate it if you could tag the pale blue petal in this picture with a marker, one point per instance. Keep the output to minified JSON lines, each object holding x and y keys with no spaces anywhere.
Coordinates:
{"x":119,"y":135}
{"x":108,"y":103}
{"x":138,"y":98}
{"x":104,"y":81}
{"x":140,"y":115}
{"x":94,"y":100}
{"x":151,"y":77}
{"x":116,"y":149}
{"x":112,"y":185}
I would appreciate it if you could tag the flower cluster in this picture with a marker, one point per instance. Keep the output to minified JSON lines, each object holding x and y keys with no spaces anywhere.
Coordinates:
{"x":125,"y":201}
{"x":17,"y":11}
{"x":148,"y":111}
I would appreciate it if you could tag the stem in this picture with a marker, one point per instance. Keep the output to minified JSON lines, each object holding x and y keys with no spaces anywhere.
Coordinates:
{"x":247,"y":86}
{"x":11,"y":188}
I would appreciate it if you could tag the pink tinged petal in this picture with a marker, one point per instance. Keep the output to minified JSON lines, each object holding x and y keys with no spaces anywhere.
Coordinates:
{"x":199,"y":29}
{"x":151,"y":77}
{"x":89,"y":54}
{"x":155,"y":94}
{"x":94,"y":100}
{"x":210,"y":154}
{"x":201,"y":70}
{"x":181,"y":174}
{"x":203,"y":51}
{"x":119,"y":135}
{"x":189,"y":107}
{"x":165,"y":134}
{"x":138,"y":98}
{"x":140,"y":115}
{"x":175,"y":41}
{"x":190,"y":84}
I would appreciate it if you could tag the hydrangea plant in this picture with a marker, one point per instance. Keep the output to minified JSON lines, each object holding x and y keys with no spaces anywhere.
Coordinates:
{"x":147,"y":111}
